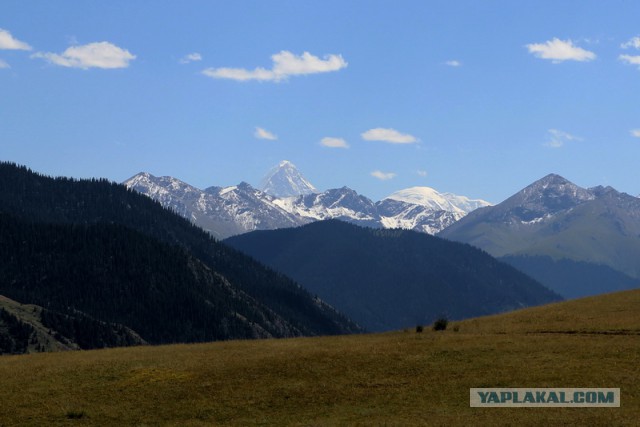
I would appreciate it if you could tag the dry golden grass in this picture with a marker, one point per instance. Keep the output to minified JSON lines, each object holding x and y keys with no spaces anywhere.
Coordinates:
{"x":399,"y":378}
{"x":612,"y":313}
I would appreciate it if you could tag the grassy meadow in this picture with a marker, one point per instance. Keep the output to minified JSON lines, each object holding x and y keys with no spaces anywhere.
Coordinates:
{"x":397,"y":378}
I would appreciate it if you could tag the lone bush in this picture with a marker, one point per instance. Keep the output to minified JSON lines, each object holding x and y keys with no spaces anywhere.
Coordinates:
{"x":419,"y":328}
{"x":75,"y":415}
{"x":440,"y":324}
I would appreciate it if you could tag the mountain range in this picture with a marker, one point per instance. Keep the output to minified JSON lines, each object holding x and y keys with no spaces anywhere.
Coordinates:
{"x":287,"y":199}
{"x":552,"y":229}
{"x":91,"y":263}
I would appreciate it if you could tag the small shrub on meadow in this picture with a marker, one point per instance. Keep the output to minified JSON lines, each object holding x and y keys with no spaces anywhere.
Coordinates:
{"x":75,"y":415}
{"x":440,"y":324}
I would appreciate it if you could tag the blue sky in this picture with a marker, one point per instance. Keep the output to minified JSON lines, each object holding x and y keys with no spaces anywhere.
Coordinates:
{"x":478,"y":98}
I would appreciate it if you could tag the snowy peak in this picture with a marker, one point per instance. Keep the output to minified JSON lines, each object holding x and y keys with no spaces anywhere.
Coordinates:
{"x":286,"y":181}
{"x":431,"y":198}
{"x":417,"y":195}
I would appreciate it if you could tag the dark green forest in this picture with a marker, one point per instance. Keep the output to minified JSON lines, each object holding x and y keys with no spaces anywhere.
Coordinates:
{"x":118,"y":275}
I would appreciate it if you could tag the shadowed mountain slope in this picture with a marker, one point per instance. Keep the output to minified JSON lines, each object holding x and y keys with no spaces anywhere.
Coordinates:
{"x":390,"y":279}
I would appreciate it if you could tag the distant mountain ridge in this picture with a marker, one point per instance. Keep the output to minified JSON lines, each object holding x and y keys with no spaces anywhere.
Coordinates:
{"x":555,"y":218}
{"x":288,"y":199}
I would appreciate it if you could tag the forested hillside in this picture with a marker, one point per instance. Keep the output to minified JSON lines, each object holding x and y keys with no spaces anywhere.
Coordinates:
{"x":95,"y":247}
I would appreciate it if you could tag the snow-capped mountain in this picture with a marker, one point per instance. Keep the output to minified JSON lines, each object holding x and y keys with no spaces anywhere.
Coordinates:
{"x":399,"y":214}
{"x":227,"y":211}
{"x":425,"y":209}
{"x":339,"y":203}
{"x":222,"y":211}
{"x":170,"y":192}
{"x":430,"y":198}
{"x":285,"y":180}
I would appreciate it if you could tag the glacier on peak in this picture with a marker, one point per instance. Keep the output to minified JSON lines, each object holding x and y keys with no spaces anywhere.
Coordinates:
{"x":431,"y":198}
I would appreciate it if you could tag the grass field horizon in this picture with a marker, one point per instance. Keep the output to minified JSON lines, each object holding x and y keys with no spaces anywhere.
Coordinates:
{"x":395,"y":378}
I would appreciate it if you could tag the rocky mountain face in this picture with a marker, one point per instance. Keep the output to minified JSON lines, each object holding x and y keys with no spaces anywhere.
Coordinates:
{"x":556,"y":219}
{"x":222,"y":211}
{"x":339,"y":203}
{"x":288,"y":199}
{"x":542,"y":199}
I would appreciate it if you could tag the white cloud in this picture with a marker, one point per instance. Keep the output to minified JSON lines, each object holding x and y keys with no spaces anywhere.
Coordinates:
{"x":92,"y":55}
{"x":453,"y":63}
{"x":559,"y":50}
{"x":630,"y":59}
{"x":634,"y":42}
{"x":388,"y":135}
{"x":285,"y":64}
{"x":334,"y":142}
{"x":383,"y":176}
{"x":261,"y":133}
{"x":3,"y":64}
{"x":421,"y":173}
{"x":558,"y":138}
{"x":7,"y":42}
{"x":192,"y":57}
{"x":239,"y":74}
{"x":635,"y":133}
